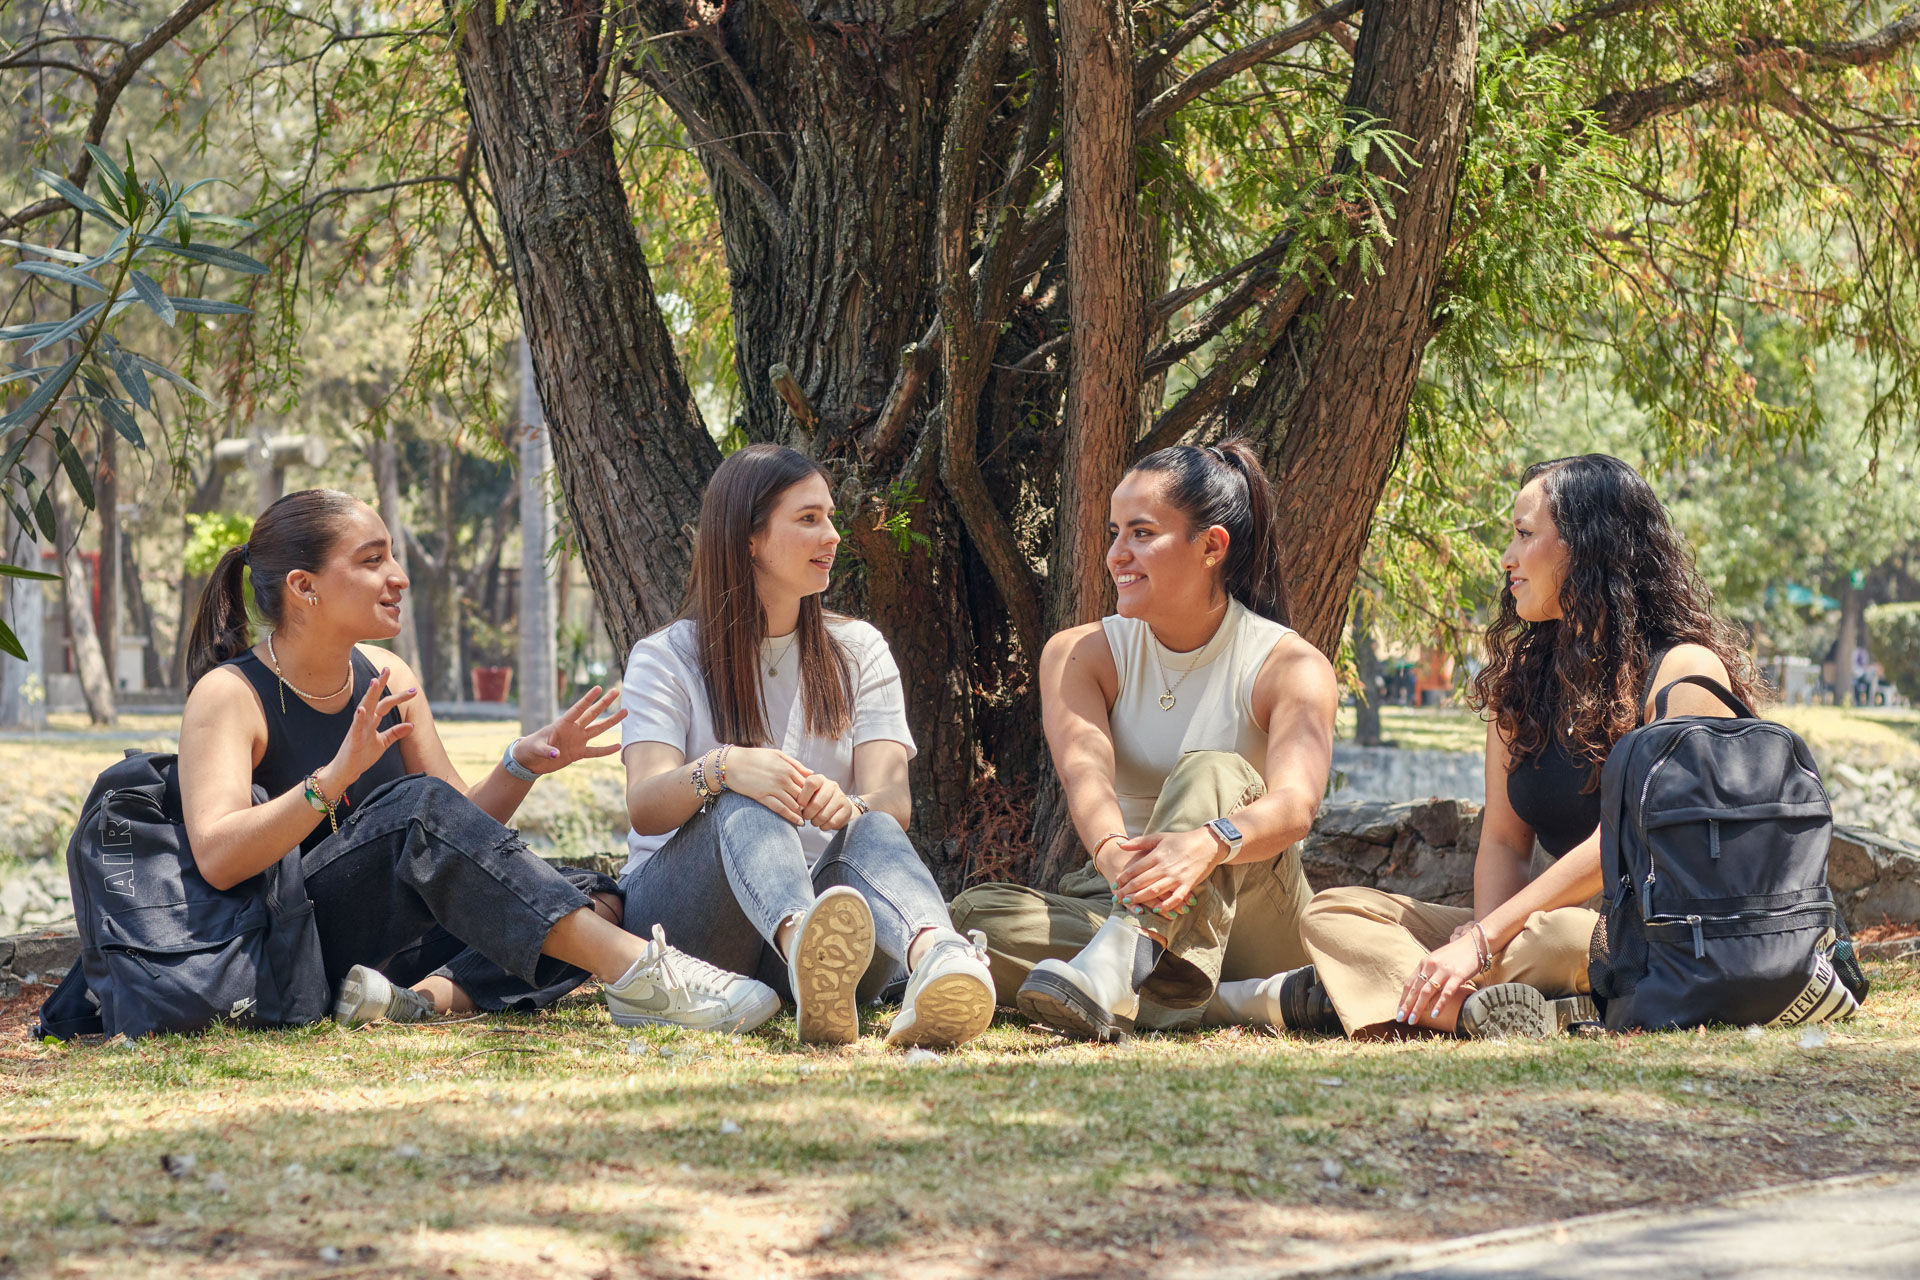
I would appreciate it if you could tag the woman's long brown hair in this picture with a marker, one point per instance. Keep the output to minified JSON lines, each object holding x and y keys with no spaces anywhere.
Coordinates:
{"x":729,"y":621}
{"x":1631,"y":587}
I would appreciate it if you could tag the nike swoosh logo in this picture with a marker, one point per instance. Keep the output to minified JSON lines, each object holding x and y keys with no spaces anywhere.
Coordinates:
{"x":658,"y":1002}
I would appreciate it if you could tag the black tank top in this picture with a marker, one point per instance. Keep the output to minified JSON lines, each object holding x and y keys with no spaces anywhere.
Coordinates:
{"x":300,"y":739}
{"x":1548,"y":792}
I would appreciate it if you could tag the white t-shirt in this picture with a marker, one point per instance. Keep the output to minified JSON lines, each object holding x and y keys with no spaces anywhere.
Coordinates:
{"x":666,"y":701}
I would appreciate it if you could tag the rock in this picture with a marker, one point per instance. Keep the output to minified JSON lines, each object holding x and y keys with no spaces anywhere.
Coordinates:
{"x":57,"y":948}
{"x":1876,"y":878}
{"x":1424,"y":848}
{"x":1373,"y":823}
{"x":1439,"y":821}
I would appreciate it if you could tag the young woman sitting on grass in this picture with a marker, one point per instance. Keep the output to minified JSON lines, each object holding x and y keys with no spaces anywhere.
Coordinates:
{"x":766,"y":747}
{"x":1192,"y":732}
{"x":1601,"y":606}
{"x":409,"y":869}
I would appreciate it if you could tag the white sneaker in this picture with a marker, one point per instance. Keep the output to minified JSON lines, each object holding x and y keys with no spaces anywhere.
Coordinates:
{"x":668,"y":987}
{"x":949,"y":998}
{"x":832,"y":946}
{"x":1090,"y":997}
{"x":366,"y":995}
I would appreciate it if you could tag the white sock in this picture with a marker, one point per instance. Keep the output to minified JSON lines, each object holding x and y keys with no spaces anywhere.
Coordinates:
{"x":1252,"y":1002}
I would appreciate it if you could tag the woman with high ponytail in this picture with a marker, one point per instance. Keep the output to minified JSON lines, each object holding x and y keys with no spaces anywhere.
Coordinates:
{"x":408,"y":867}
{"x":1192,"y":732}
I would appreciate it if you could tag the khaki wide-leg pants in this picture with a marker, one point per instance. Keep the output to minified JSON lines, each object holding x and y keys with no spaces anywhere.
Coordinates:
{"x":1365,"y":944}
{"x":1245,"y":921}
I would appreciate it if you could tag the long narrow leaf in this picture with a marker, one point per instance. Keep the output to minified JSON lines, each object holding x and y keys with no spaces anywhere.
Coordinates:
{"x":132,"y":377}
{"x":75,"y":196}
{"x":121,"y":419}
{"x":223,"y":220}
{"x":68,"y":327}
{"x":44,"y":394}
{"x":208,"y":307}
{"x":75,"y":465}
{"x":43,"y":516}
{"x":109,"y":170}
{"x":210,"y":254}
{"x":20,"y":513}
{"x":161,"y":371}
{"x":31,"y":575}
{"x":108,"y":254}
{"x":12,"y":456}
{"x":65,"y":275}
{"x":10,"y":643}
{"x":151,"y":294}
{"x":34,"y":330}
{"x":38,"y":371}
{"x":59,"y":255}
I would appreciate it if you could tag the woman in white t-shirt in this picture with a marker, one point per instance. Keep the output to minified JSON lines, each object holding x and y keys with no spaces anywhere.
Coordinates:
{"x":766,"y":747}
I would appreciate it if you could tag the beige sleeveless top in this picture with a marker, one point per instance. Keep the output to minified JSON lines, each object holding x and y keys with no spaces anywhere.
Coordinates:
{"x":1212,"y":705}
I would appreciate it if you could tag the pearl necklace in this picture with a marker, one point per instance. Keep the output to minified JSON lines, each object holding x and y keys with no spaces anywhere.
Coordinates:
{"x":286,"y":684}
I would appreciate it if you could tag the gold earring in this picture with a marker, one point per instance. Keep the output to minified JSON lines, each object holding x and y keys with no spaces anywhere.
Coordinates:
{"x":316,"y":599}
{"x":1209,"y":562}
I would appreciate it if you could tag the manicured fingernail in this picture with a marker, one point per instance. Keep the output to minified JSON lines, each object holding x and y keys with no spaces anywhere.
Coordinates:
{"x":1435,"y":1013}
{"x":1126,"y":902}
{"x":552,"y":752}
{"x":1399,"y":1015}
{"x":1135,"y":910}
{"x":415,"y":689}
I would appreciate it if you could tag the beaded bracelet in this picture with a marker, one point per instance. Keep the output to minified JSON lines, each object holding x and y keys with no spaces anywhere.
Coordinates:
{"x":700,"y":780}
{"x":720,"y":769}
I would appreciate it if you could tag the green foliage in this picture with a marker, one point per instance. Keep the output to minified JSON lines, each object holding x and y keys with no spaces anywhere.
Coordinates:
{"x":208,"y":537}
{"x":1893,"y":637}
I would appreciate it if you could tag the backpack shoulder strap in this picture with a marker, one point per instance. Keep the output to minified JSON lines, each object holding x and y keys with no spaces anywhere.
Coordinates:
{"x":1712,"y":686}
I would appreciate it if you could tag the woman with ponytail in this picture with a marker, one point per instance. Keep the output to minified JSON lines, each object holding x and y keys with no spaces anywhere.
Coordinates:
{"x":408,"y":867}
{"x":1192,"y":732}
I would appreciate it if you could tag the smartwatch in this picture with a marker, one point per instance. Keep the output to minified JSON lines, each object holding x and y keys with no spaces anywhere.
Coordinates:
{"x":1229,"y":836}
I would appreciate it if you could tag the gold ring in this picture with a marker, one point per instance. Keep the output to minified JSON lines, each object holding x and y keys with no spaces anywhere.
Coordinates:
{"x":1433,"y":980}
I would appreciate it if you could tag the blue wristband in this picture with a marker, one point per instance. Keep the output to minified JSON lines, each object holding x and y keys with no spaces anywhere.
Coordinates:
{"x":514,"y":767}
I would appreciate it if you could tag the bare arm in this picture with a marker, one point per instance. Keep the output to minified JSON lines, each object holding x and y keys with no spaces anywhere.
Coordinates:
{"x":1078,"y":683}
{"x":880,"y":778}
{"x":223,"y":734}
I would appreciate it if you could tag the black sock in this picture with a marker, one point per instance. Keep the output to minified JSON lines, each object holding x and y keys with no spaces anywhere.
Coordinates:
{"x":1146,"y":954}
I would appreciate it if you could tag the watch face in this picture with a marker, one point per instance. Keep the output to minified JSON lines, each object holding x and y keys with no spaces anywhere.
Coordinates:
{"x":1228,"y":832}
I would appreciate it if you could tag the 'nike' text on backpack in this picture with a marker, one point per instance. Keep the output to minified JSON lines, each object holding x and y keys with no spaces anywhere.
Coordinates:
{"x":1713,"y":849}
{"x":163,"y":950}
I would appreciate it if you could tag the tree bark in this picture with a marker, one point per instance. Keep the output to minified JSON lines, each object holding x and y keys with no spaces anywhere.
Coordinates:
{"x":25,"y":603}
{"x":1366,"y":660}
{"x":628,"y":441}
{"x":1332,"y":402}
{"x":1103,"y":298}
{"x":107,"y":500}
{"x":76,"y":599}
{"x":384,"y":457}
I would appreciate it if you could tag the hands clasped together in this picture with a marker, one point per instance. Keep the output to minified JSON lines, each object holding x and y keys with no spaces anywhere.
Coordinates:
{"x":789,"y":788}
{"x":1160,"y":870}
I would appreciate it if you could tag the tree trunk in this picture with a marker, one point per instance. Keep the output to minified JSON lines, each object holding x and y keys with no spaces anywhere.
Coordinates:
{"x":539,"y":691}
{"x":1103,"y":299}
{"x":1332,"y":402}
{"x":107,"y":502}
{"x":1366,"y":660}
{"x":23,"y":705}
{"x":1853,"y":607}
{"x":384,"y":457}
{"x":140,"y":619}
{"x":76,"y":597}
{"x":628,"y":442}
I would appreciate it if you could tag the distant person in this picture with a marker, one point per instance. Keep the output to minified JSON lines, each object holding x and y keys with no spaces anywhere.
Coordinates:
{"x":1192,"y":731}
{"x":408,"y":867}
{"x":766,"y":747}
{"x":1600,"y":607}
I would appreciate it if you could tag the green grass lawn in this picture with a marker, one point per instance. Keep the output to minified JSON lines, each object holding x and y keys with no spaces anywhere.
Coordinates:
{"x":561,"y":1146}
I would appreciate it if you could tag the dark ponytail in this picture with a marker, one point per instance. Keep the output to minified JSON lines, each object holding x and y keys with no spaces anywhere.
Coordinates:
{"x":297,"y":532}
{"x":1223,"y":484}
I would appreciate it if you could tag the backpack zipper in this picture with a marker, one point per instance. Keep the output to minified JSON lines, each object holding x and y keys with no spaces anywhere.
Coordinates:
{"x":1699,"y":939}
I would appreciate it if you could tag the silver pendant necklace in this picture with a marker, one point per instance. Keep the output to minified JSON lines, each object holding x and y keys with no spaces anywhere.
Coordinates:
{"x":773,"y":667}
{"x":286,"y":684}
{"x":1167,"y":700}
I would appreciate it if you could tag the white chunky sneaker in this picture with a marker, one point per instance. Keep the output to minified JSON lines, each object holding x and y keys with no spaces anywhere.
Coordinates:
{"x":832,"y":946}
{"x":367,"y":996}
{"x":1092,"y":996}
{"x":949,"y":997}
{"x":668,"y":987}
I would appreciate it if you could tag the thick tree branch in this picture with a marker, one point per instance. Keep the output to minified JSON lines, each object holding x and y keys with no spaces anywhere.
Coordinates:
{"x":1170,"y":46}
{"x":917,"y":362}
{"x":1007,"y":223}
{"x":1208,"y":394}
{"x":1762,"y":64}
{"x":1154,"y":116}
{"x":1581,"y":20}
{"x":111,"y":85}
{"x":765,"y":200}
{"x":968,"y":342}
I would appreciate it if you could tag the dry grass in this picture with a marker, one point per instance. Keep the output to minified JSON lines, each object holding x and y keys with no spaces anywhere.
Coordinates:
{"x":561,"y":1146}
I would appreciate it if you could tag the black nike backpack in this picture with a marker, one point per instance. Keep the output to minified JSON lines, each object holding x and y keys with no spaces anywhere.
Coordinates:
{"x":161,"y":950}
{"x":1713,"y":853}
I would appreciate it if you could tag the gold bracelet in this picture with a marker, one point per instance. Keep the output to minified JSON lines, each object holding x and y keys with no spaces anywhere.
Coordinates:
{"x":1111,"y":835}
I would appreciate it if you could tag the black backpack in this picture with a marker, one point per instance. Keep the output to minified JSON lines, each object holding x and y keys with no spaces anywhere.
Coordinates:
{"x":1713,"y":853}
{"x":161,"y":950}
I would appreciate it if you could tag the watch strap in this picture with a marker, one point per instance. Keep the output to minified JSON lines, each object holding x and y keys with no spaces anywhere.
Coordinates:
{"x":514,"y":767}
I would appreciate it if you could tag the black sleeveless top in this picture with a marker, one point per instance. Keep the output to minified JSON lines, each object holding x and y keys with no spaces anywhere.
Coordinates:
{"x":301,"y":740}
{"x":1548,"y":792}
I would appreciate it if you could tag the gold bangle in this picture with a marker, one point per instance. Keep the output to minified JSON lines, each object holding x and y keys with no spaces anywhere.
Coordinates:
{"x":1111,"y":835}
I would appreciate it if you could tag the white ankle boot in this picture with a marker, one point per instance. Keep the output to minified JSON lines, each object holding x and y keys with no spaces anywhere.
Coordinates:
{"x":1092,"y":996}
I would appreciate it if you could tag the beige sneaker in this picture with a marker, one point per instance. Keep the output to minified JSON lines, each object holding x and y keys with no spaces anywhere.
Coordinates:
{"x":949,"y":997}
{"x":668,"y":987}
{"x":832,"y":946}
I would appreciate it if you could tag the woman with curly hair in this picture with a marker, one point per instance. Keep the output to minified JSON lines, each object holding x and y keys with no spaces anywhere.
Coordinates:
{"x":1602,"y":607}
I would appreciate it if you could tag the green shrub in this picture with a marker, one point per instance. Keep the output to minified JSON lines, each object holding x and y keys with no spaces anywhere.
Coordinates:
{"x":1893,"y":637}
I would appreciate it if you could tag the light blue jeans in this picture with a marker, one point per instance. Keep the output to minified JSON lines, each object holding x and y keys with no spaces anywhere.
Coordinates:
{"x":722,"y":885}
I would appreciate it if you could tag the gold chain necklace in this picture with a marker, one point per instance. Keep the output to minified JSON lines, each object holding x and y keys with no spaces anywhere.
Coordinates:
{"x":286,"y":684}
{"x":1167,"y":700}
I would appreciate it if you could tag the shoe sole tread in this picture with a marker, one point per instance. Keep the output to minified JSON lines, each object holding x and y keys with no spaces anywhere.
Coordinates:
{"x":949,"y":1011}
{"x":833,"y":950}
{"x":1058,"y":1006}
